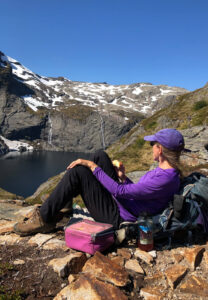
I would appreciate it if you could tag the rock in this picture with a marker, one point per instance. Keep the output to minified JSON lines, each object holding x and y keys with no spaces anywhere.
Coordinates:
{"x":104,"y":269}
{"x":149,"y":280}
{"x":205,"y":255}
{"x":194,"y":255}
{"x":152,"y":293}
{"x":133,"y":265}
{"x":71,"y":263}
{"x":18,"y":262}
{"x":145,"y":256}
{"x":195,"y":285}
{"x":119,"y":260}
{"x":175,"y":274}
{"x":11,"y":239}
{"x":39,"y":239}
{"x":55,"y":244}
{"x":153,"y":253}
{"x":125,"y":253}
{"x":177,"y":257}
{"x":87,"y":287}
{"x":6,"y":226}
{"x":72,"y":277}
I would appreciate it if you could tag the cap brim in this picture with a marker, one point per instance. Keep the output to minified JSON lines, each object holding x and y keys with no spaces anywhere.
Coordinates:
{"x":186,"y":150}
{"x":150,"y":138}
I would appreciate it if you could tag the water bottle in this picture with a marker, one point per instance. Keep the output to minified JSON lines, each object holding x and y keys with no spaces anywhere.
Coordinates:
{"x":145,"y":232}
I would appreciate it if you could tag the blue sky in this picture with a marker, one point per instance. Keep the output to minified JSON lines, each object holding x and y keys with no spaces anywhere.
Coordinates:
{"x":116,"y":41}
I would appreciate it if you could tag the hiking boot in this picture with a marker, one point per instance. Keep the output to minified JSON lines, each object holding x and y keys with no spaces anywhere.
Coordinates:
{"x":33,"y":224}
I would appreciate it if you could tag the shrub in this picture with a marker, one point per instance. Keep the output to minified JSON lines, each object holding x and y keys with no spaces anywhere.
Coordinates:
{"x":140,"y":143}
{"x":200,"y":104}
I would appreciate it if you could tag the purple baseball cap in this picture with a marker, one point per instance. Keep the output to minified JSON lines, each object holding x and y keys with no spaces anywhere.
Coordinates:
{"x":169,"y":138}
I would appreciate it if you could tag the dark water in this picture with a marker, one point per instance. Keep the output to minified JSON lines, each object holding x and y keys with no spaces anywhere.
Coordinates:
{"x":22,"y":174}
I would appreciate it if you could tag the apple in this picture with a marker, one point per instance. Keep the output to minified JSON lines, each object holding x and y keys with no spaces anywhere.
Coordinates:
{"x":117,"y":163}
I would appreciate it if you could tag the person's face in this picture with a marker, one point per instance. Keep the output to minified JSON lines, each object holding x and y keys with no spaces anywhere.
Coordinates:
{"x":156,"y":150}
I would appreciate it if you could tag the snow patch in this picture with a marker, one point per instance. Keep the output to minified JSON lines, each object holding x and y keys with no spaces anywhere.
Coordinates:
{"x":16,"y":145}
{"x":137,"y":91}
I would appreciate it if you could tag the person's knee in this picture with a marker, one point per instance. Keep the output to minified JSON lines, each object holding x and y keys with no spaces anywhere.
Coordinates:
{"x":100,"y":154}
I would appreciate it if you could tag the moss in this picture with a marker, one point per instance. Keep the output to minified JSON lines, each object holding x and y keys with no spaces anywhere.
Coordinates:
{"x":77,"y":112}
{"x":201,"y":117}
{"x":151,"y":125}
{"x":8,"y":295}
{"x":7,"y":195}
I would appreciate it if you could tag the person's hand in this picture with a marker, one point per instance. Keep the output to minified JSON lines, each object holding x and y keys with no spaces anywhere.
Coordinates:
{"x":87,"y":163}
{"x":120,"y":170}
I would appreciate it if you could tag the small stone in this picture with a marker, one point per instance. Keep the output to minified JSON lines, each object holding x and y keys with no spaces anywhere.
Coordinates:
{"x":39,"y":239}
{"x":18,"y":262}
{"x":152,"y":293}
{"x":55,"y":244}
{"x":105,"y":269}
{"x":119,"y":260}
{"x":6,"y":226}
{"x":90,"y":288}
{"x":124,"y":253}
{"x":10,"y":239}
{"x":153,"y":253}
{"x":195,"y":286}
{"x":178,"y":257}
{"x":194,"y":256}
{"x":145,"y":256}
{"x":175,"y":274}
{"x":154,"y":278}
{"x":71,"y":263}
{"x":133,"y":265}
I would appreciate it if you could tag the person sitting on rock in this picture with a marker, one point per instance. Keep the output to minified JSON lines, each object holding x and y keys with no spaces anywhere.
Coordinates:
{"x":108,"y":194}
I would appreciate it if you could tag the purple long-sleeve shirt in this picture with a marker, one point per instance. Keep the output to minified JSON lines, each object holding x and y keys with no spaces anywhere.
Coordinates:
{"x":151,"y":193}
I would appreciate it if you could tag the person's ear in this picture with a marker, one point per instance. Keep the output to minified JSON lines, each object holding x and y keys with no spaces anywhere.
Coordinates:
{"x":160,"y":149}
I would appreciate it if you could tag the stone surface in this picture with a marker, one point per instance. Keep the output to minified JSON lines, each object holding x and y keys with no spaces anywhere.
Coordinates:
{"x":119,"y":260}
{"x":145,"y":256}
{"x":54,"y":244}
{"x":195,"y":285}
{"x":174,"y":275}
{"x":125,"y":253}
{"x":149,"y":280}
{"x":39,"y":239}
{"x":87,"y":287}
{"x":71,"y":263}
{"x":11,"y":239}
{"x":103,"y":268}
{"x":205,"y":255}
{"x":6,"y":226}
{"x":133,"y":265}
{"x":152,"y":294}
{"x":177,"y":257}
{"x":18,"y":262}
{"x":194,"y":256}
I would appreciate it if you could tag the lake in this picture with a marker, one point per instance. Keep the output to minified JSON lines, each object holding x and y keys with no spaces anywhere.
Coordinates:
{"x":22,"y":173}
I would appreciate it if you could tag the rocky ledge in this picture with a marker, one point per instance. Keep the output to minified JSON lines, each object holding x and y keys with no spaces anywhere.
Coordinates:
{"x":43,"y":267}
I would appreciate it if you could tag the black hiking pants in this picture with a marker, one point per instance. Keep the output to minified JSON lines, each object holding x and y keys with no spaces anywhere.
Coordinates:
{"x":80,"y":180}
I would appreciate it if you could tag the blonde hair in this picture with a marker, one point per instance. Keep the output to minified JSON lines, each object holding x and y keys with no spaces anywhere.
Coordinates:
{"x":173,"y":158}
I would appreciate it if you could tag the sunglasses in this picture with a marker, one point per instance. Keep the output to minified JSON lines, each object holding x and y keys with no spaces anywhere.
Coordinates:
{"x":152,"y":143}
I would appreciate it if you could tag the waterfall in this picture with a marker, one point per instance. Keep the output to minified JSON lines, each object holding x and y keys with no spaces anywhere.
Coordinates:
{"x":50,"y":131}
{"x":102,"y":127}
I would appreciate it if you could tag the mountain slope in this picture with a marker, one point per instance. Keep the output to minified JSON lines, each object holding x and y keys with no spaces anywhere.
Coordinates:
{"x":60,"y":114}
{"x":188,"y":113}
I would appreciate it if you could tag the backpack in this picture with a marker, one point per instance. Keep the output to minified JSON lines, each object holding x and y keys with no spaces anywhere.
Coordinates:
{"x":188,"y":210}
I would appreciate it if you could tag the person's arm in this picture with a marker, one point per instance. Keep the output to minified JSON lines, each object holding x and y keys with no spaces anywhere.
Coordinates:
{"x":131,"y":190}
{"x":87,"y":163}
